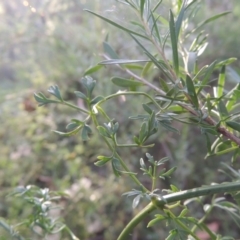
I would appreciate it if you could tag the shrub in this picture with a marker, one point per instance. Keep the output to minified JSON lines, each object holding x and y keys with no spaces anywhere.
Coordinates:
{"x":184,"y":94}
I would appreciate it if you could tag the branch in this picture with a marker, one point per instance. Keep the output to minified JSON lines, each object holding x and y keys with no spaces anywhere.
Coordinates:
{"x":160,"y":202}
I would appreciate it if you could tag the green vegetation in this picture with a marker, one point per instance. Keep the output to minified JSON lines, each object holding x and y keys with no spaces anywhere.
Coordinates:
{"x":133,"y":154}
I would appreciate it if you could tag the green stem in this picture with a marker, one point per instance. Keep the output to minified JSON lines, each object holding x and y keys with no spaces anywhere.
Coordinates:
{"x":131,"y":175}
{"x":74,"y":107}
{"x":134,"y":145}
{"x":200,"y":222}
{"x":135,"y":221}
{"x":129,"y":93}
{"x":119,"y":158}
{"x":183,"y":226}
{"x":154,"y":176}
{"x":174,"y":197}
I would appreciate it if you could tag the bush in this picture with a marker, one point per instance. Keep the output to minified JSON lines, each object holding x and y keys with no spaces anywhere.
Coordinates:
{"x":181,"y":94}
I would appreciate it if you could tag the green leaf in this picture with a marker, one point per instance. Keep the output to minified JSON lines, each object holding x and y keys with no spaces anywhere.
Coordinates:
{"x":67,"y":134}
{"x":174,"y":188}
{"x":147,"y":108}
{"x":225,"y":62}
{"x":136,"y":201}
{"x":142,"y":3}
{"x":115,"y":127}
{"x":80,"y":95}
{"x":174,"y":43}
{"x":156,"y":6}
{"x":146,"y":68}
{"x":54,"y":90}
{"x":191,"y":91}
{"x":121,"y":61}
{"x":235,"y":157}
{"x":222,"y":110}
{"x":117,"y":25}
{"x":167,"y":126}
{"x":169,"y":172}
{"x":122,"y":82}
{"x":142,"y":164}
{"x":102,"y":160}
{"x":208,"y":71}
{"x":233,"y":96}
{"x":210,"y":130}
{"x":210,"y":20}
{"x":86,"y":130}
{"x":143,"y":134}
{"x":221,"y":82}
{"x":109,"y":51}
{"x":179,"y":20}
{"x":42,"y":100}
{"x":157,"y":218}
{"x":155,"y":28}
{"x":136,"y":140}
{"x":97,"y":99}
{"x":183,"y":212}
{"x":103,"y":131}
{"x":233,"y":125}
{"x":116,"y":166}
{"x":151,"y":122}
{"x":159,"y":63}
{"x":71,"y":126}
{"x":162,"y":161}
{"x":92,"y":70}
{"x":133,"y":66}
{"x":191,"y":62}
{"x":89,"y":84}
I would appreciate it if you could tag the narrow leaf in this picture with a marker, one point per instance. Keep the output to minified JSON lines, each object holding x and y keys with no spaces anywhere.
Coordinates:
{"x":92,"y":70}
{"x":96,"y":99}
{"x":156,"y":6}
{"x":222,"y":110}
{"x":221,"y":82}
{"x":142,"y":3}
{"x":117,"y":25}
{"x":147,"y":108}
{"x":121,"y":61}
{"x":180,"y":19}
{"x":146,"y":68}
{"x":67,"y":134}
{"x":210,"y":20}
{"x":155,"y":27}
{"x":191,"y":91}
{"x":122,"y":82}
{"x":109,"y":51}
{"x":174,"y":42}
{"x":54,"y":90}
{"x":136,"y":201}
{"x":233,"y":125}
{"x":102,"y":160}
{"x":116,"y":166}
{"x":80,"y":95}
{"x":86,"y":130}
{"x":207,"y":75}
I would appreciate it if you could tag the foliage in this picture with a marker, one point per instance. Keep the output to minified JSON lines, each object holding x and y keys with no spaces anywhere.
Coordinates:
{"x":181,"y":95}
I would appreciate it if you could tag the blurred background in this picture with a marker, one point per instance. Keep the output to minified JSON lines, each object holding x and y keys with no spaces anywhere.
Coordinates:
{"x":53,"y":42}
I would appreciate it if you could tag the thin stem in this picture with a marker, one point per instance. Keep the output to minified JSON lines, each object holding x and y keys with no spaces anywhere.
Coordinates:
{"x":119,"y":158}
{"x":183,"y":226}
{"x":204,"y":217}
{"x":131,"y":175}
{"x":129,"y":93}
{"x":75,"y":107}
{"x":134,"y":145}
{"x":154,"y":176}
{"x":125,"y":234}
